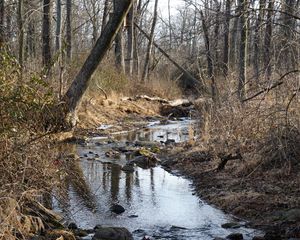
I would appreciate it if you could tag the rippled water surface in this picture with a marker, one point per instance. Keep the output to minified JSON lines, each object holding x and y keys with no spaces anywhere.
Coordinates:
{"x":157,"y":203}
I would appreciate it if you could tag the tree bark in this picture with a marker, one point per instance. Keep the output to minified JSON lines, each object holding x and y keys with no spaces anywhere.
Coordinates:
{"x":46,"y":35}
{"x":210,"y":66}
{"x":69,"y":30}
{"x":79,"y":85}
{"x":105,"y":15}
{"x":130,"y":42}
{"x":119,"y":43}
{"x":21,"y":32}
{"x":234,"y":36}
{"x":58,"y":26}
{"x":256,"y":41}
{"x":268,"y":41}
{"x":2,"y":34}
{"x":225,"y":65}
{"x":150,"y":44}
{"x":243,"y":51}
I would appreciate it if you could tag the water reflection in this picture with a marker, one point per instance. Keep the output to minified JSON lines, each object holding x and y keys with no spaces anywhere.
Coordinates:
{"x":159,"y":199}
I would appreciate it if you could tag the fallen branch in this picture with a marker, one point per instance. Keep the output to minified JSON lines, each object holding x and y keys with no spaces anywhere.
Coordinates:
{"x":226,"y":158}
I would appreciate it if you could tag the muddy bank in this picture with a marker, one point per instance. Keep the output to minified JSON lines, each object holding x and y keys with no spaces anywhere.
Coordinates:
{"x":269,"y":200}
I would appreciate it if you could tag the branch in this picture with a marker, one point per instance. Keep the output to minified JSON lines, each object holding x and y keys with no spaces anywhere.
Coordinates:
{"x":267,"y":89}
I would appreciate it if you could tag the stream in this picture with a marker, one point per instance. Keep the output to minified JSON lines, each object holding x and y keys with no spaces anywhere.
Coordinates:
{"x":158,"y":203}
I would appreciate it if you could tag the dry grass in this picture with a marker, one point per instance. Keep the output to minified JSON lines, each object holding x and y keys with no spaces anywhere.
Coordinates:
{"x":26,"y":161}
{"x":265,"y":130}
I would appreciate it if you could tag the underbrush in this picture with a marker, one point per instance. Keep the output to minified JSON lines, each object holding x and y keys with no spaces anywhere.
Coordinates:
{"x":27,"y":169}
{"x":265,"y":131}
{"x":107,"y":80}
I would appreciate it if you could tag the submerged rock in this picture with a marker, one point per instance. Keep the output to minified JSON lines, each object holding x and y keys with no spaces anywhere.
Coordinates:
{"x":145,"y":161}
{"x":112,"y":233}
{"x":128,"y":168}
{"x":116,"y":208}
{"x":235,"y":236}
{"x":231,"y":225}
{"x":72,"y":226}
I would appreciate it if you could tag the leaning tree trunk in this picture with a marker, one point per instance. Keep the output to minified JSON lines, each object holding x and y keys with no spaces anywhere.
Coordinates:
{"x":46,"y":49}
{"x":243,"y":51}
{"x":150,"y":44}
{"x":79,"y":85}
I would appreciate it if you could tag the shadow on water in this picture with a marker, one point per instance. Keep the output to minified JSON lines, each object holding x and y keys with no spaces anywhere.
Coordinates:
{"x":157,"y":202}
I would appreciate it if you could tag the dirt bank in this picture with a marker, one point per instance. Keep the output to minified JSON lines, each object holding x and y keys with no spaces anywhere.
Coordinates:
{"x":268,"y":200}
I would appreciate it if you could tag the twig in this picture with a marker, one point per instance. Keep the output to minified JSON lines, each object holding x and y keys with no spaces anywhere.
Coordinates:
{"x":267,"y":89}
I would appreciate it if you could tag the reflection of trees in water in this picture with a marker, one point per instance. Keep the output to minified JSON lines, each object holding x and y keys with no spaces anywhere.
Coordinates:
{"x":115,"y":182}
{"x":76,"y":179}
{"x":128,"y":187}
{"x":152,"y":185}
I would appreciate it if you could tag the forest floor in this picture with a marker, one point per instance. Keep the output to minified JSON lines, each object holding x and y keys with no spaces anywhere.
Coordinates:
{"x":267,"y":199}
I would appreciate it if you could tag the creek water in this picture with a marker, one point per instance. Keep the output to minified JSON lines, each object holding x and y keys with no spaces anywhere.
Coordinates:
{"x":158,"y":203}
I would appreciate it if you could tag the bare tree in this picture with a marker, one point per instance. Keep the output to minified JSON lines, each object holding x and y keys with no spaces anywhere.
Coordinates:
{"x":21,"y":32}
{"x":81,"y":81}
{"x":46,"y":34}
{"x":256,"y":41}
{"x":268,"y":39}
{"x":69,"y":29}
{"x":2,"y":34}
{"x":226,"y":47}
{"x":130,"y":42}
{"x":150,"y":44}
{"x":119,"y":43}
{"x":243,"y":51}
{"x":58,"y":25}
{"x":210,"y":66}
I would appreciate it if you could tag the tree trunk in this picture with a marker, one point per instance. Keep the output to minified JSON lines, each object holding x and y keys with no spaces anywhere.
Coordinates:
{"x":69,"y":30}
{"x":225,"y":65}
{"x":105,"y":15}
{"x":150,"y":44}
{"x":58,"y":26}
{"x":234,"y":36}
{"x":243,"y":51}
{"x":268,"y":41}
{"x":2,"y":34}
{"x":46,"y":35}
{"x":130,"y":42}
{"x":79,"y":85}
{"x":256,"y":41}
{"x":216,"y":35}
{"x":210,"y":67}
{"x":21,"y":32}
{"x":119,"y":43}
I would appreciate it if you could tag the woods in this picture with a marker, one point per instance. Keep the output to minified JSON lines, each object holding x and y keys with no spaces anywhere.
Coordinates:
{"x":72,"y":70}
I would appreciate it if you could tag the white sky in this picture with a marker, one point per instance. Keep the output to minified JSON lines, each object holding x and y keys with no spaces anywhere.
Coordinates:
{"x":163,"y":6}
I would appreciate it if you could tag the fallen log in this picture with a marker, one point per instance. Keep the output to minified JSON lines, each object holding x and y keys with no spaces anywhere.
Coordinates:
{"x":226,"y":158}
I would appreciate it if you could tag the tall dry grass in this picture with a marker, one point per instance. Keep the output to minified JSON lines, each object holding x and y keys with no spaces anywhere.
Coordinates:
{"x":27,"y":168}
{"x":265,"y":129}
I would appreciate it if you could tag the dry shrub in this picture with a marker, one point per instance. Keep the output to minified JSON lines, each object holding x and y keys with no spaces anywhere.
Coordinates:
{"x":112,"y":81}
{"x":26,"y":159}
{"x":266,"y":131}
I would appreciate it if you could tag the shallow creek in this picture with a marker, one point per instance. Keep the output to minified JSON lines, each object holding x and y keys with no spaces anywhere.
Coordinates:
{"x":158,"y":203}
